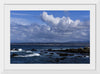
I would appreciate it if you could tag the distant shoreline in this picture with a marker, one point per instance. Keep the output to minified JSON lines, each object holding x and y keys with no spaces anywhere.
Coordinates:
{"x":53,"y":44}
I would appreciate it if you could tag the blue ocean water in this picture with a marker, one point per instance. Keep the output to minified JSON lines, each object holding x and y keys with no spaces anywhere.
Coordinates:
{"x":42,"y":56}
{"x":43,"y":47}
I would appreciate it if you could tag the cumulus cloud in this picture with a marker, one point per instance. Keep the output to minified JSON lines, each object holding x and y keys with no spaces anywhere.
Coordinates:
{"x":55,"y":29}
{"x":60,"y":24}
{"x":64,"y":25}
{"x":50,"y":19}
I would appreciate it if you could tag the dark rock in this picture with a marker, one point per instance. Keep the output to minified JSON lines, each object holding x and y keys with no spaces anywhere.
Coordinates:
{"x":85,"y":56}
{"x":86,"y":49}
{"x":62,"y":54}
{"x":33,"y":49}
{"x":78,"y":56}
{"x":70,"y":54}
{"x":14,"y":49}
{"x":49,"y":49}
{"x":51,"y":53}
{"x":40,"y":53}
{"x":45,"y":52}
{"x":13,"y":55}
{"x":79,"y":50}
{"x":11,"y":49}
{"x":65,"y":54}
{"x":62,"y":58}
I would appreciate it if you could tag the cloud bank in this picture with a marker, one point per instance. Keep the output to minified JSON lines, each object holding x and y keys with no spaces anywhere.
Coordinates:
{"x":55,"y":29}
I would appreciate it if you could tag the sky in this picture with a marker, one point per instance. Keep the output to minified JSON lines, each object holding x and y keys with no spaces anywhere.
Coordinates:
{"x":49,"y":26}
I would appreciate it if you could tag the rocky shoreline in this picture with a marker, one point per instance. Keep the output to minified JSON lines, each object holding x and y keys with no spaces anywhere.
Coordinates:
{"x":78,"y":55}
{"x":60,"y":52}
{"x":79,"y":50}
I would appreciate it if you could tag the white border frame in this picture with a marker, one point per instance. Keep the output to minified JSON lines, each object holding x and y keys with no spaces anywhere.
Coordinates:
{"x":90,"y":66}
{"x":96,"y":2}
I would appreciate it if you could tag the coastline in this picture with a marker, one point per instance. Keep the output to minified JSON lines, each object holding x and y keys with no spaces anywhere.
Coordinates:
{"x":54,"y":44}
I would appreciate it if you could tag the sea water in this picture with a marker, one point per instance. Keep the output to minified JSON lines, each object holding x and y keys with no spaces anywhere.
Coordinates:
{"x":42,"y":56}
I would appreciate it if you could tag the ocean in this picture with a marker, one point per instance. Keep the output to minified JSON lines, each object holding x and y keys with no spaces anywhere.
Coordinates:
{"x":39,"y":54}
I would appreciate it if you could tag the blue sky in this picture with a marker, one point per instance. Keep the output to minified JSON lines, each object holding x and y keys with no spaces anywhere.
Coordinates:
{"x":49,"y":26}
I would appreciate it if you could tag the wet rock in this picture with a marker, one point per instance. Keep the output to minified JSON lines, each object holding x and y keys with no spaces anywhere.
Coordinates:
{"x":86,"y":49}
{"x":51,"y":53}
{"x":62,"y":54}
{"x":70,"y":54}
{"x":85,"y":56}
{"x":40,"y":53}
{"x":78,"y":56}
{"x":33,"y":49}
{"x":65,"y":54}
{"x":13,"y":55}
{"x":49,"y":49}
{"x":14,"y":49}
{"x":79,"y":50}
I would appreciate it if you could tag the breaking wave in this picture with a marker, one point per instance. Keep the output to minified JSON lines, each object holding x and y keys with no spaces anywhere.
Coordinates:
{"x":29,"y":55}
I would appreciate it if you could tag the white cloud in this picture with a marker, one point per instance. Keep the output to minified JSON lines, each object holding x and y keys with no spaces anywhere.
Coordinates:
{"x":59,"y":24}
{"x":55,"y":29}
{"x":50,"y":18}
{"x":19,"y":21}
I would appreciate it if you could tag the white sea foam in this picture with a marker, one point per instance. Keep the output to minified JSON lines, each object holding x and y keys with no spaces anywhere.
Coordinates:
{"x":20,"y":50}
{"x":28,"y":51}
{"x":87,"y":56}
{"x":29,"y":55}
{"x":13,"y":51}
